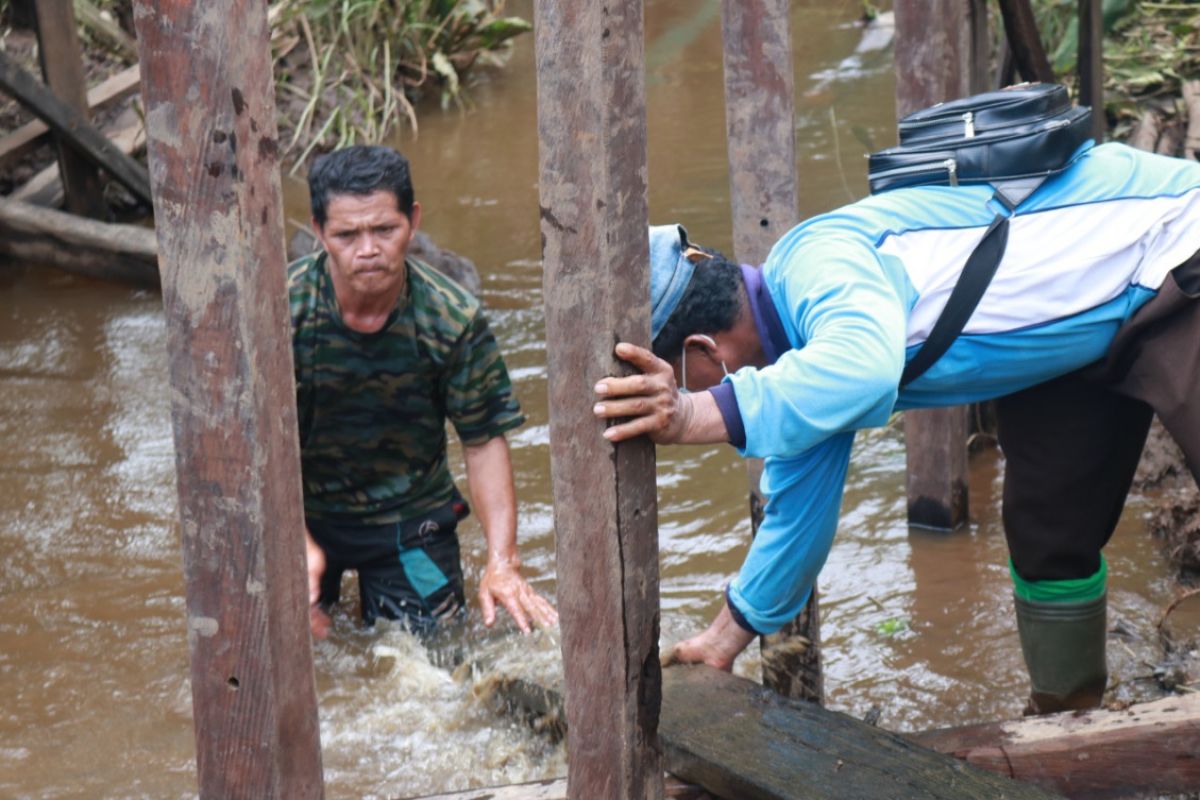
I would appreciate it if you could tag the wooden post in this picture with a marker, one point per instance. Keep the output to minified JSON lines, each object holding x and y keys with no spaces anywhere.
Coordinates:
{"x":1024,"y":41}
{"x":759,"y":121}
{"x":932,"y":49}
{"x":214,"y":158}
{"x":1091,"y":64}
{"x":592,"y":132}
{"x":979,"y":79}
{"x":62,"y":68}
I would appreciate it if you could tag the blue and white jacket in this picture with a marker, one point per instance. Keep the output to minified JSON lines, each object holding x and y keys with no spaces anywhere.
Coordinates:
{"x":845,"y":298}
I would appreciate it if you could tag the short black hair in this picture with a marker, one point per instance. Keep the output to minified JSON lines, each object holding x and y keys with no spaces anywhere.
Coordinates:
{"x":359,"y":169}
{"x":710,"y":304}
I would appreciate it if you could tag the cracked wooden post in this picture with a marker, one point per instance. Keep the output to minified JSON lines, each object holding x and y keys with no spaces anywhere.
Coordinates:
{"x":62,"y":68}
{"x":592,"y":134}
{"x":932,"y":50}
{"x":760,"y":128}
{"x":214,"y":163}
{"x":1091,"y":64}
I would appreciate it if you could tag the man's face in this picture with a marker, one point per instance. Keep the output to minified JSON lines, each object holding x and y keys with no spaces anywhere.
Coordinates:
{"x":367,"y":238}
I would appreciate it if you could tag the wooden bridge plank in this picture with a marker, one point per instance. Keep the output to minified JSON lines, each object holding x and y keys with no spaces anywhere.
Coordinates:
{"x":592,"y":135}
{"x":72,"y":125}
{"x":741,"y":740}
{"x":214,"y":155}
{"x":1148,"y":747}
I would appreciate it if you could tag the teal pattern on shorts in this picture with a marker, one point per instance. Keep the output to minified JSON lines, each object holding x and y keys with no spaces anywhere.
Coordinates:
{"x":373,"y":406}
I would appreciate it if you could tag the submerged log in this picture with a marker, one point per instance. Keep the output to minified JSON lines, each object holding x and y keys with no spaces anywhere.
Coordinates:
{"x":557,"y":790}
{"x":38,"y":235}
{"x":1151,"y":747}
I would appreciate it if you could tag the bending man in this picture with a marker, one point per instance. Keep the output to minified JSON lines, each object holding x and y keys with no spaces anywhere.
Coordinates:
{"x":1090,"y":325}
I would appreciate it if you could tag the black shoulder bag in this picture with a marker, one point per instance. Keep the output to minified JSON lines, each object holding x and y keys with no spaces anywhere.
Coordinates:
{"x":1013,"y":139}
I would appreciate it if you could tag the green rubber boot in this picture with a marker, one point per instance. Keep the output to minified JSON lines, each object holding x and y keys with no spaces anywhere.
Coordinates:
{"x":1063,"y":644}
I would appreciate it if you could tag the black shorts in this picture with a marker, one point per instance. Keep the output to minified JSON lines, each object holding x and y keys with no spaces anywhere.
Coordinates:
{"x":1072,"y":445}
{"x":409,"y":571}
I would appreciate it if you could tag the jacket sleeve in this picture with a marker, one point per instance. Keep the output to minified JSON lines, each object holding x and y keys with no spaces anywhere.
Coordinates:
{"x":804,"y":496}
{"x":848,"y":317}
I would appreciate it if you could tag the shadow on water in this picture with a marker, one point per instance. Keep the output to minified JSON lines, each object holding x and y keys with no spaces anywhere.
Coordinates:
{"x":94,"y":697}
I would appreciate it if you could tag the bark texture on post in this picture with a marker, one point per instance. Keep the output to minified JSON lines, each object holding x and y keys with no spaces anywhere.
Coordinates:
{"x":592,"y":133}
{"x":932,"y":51}
{"x":760,"y":128}
{"x":214,"y":162}
{"x":62,"y":68}
{"x":980,"y":78}
{"x":1091,"y":64}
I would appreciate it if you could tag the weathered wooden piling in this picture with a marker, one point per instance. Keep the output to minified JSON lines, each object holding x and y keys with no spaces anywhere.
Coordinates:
{"x":760,"y":109}
{"x":933,"y":47}
{"x":1090,"y":63}
{"x":62,"y":68}
{"x":592,"y":153}
{"x":214,"y":158}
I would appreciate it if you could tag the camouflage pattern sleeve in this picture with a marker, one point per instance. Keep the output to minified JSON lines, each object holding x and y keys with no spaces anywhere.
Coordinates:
{"x":479,"y":395}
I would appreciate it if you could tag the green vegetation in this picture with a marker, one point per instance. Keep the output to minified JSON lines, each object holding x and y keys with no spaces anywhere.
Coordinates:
{"x":350,"y":70}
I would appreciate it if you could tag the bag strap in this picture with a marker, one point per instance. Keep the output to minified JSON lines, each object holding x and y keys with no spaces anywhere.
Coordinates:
{"x":964,"y":298}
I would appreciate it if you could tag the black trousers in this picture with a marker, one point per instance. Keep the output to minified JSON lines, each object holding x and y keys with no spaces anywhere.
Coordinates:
{"x":1072,"y":445}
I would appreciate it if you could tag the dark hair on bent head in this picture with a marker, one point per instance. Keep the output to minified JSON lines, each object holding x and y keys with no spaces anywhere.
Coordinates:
{"x":359,"y":169}
{"x":710,"y":304}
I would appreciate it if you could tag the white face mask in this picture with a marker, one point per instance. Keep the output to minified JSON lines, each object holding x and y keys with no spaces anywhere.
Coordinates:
{"x":683,"y":363}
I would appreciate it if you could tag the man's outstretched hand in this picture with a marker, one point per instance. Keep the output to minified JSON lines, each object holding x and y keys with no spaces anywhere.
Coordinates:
{"x":318,"y":621}
{"x":502,"y":583}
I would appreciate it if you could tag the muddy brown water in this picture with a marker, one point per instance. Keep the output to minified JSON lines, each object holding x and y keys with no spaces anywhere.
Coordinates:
{"x":94,"y":696}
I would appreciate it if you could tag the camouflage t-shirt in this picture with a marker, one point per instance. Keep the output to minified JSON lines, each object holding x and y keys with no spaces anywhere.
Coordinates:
{"x":373,"y":406}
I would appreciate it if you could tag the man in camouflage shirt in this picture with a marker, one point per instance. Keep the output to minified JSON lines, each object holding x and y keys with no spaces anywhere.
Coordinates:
{"x":386,"y":349}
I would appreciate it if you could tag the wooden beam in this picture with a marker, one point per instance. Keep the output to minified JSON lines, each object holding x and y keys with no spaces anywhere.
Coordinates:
{"x":46,"y":187}
{"x":213,"y":151}
{"x":25,"y":138}
{"x":1024,"y":41}
{"x":1151,"y":748}
{"x":931,"y":51}
{"x":980,"y":60}
{"x":740,"y":740}
{"x":760,"y":110}
{"x":62,"y":68}
{"x":592,"y":133}
{"x":1091,"y":64}
{"x":42,"y":236}
{"x":71,"y":125}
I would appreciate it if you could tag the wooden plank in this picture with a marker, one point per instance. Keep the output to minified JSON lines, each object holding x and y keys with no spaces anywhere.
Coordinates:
{"x":214,"y":155}
{"x":62,"y":68}
{"x":113,"y":89}
{"x":1024,"y":41}
{"x":592,"y":133}
{"x":1147,"y":748}
{"x":46,"y":187}
{"x":738,"y":739}
{"x":557,"y":790}
{"x":43,"y":236}
{"x":1091,"y":64}
{"x":760,"y":108}
{"x":932,"y":47}
{"x":71,"y":125}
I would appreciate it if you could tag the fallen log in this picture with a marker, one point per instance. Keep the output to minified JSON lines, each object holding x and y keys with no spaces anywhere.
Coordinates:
{"x":46,"y":187}
{"x":73,"y":127}
{"x":557,"y":790}
{"x":1145,"y":133}
{"x":37,"y":235}
{"x":1151,"y":746}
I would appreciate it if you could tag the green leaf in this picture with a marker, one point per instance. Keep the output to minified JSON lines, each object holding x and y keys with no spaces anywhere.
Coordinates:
{"x":890,"y":627}
{"x":501,"y":30}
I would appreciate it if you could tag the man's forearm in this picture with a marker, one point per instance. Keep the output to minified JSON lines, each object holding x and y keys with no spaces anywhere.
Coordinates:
{"x":490,"y":482}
